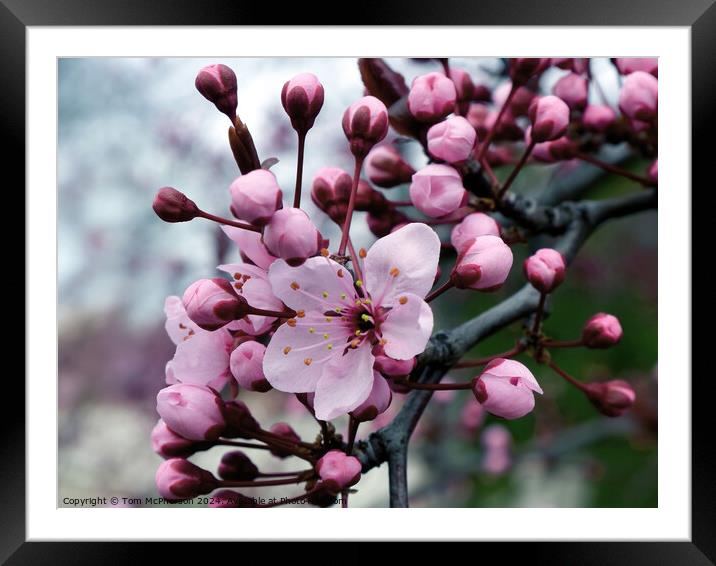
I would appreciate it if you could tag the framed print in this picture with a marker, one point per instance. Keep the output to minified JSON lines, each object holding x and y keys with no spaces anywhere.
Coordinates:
{"x":414,"y":260}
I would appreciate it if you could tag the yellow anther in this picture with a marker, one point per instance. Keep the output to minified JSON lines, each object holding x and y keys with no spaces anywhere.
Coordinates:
{"x":325,"y":252}
{"x":357,"y":332}
{"x":343,"y":296}
{"x":355,"y":343}
{"x":394,"y":272}
{"x":308,"y":361}
{"x":330,"y":347}
{"x":325,"y":294}
{"x":362,"y":253}
{"x":286,"y":350}
{"x":383,"y":342}
{"x":365,"y":317}
{"x":295,"y":286}
{"x":291,"y":322}
{"x":311,"y":330}
{"x":300,"y":314}
{"x":325,"y":336}
{"x":359,"y":283}
{"x":328,"y":319}
{"x":338,"y":309}
{"x":403,"y":300}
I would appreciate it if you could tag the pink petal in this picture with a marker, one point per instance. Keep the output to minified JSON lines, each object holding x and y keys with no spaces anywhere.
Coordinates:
{"x":407,"y":328}
{"x":501,"y":367}
{"x":345,"y":383}
{"x":296,"y":355}
{"x":250,"y":245}
{"x":320,"y":284}
{"x":414,"y":251}
{"x":257,"y":291}
{"x":203,"y":359}
{"x":178,"y":324}
{"x":507,"y":400}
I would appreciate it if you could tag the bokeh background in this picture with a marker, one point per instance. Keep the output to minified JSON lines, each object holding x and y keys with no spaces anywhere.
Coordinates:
{"x":128,"y":126}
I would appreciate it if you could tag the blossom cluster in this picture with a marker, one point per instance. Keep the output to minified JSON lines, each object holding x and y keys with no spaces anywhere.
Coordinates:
{"x":343,"y":328}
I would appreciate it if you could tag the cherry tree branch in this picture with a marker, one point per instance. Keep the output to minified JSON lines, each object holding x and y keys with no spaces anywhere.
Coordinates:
{"x":574,"y":222}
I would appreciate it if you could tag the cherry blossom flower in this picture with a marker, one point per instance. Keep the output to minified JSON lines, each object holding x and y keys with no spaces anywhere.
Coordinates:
{"x":327,"y":348}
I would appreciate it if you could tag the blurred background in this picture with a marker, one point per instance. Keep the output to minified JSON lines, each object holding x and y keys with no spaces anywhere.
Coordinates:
{"x":129,"y":126}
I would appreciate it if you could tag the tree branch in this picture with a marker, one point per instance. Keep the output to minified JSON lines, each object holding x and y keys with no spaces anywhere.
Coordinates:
{"x":574,"y":222}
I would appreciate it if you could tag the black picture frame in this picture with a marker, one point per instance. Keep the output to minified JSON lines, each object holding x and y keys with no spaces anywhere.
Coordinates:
{"x":699,"y":16}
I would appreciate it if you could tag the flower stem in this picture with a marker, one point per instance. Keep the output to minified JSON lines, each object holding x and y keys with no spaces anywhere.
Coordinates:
{"x":439,"y":291}
{"x":353,"y":425}
{"x":351,"y":206}
{"x":608,"y":167}
{"x":559,"y":371}
{"x":516,"y":170}
{"x":299,"y":169}
{"x":539,"y":313}
{"x":495,"y":124}
{"x":433,"y":386}
{"x":483,"y":361}
{"x":228,"y":222}
{"x":563,"y":343}
{"x":277,"y":314}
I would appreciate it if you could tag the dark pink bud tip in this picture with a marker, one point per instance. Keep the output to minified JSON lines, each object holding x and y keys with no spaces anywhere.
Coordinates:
{"x":217,"y":83}
{"x":611,"y":398}
{"x":237,"y":466}
{"x":302,"y":99}
{"x":174,"y":206}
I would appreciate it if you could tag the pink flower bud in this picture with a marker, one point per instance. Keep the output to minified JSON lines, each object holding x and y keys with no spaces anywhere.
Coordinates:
{"x":217,"y":83}
{"x":506,"y":389}
{"x":602,"y":331}
{"x":174,"y":206}
{"x":452,"y":140}
{"x":246,"y":365}
{"x":464,"y":87}
{"x":240,"y":423}
{"x":382,"y":223}
{"x":572,"y":88}
{"x":192,"y":411}
{"x":283,"y":430}
{"x":560,"y":149}
{"x":291,"y":235}
{"x":628,"y":65}
{"x":237,"y":466}
{"x":472,"y":226}
{"x":376,"y":403}
{"x":168,"y":444}
{"x":597,"y":118}
{"x":437,"y":190}
{"x":338,"y":470}
{"x":545,"y":270}
{"x":550,"y":117}
{"x":611,"y":398}
{"x":212,"y":303}
{"x":386,"y":168}
{"x":521,"y":99}
{"x":302,"y":99}
{"x":330,"y":192}
{"x":368,"y":199}
{"x":179,"y":479}
{"x":431,"y":97}
{"x":229,"y":498}
{"x":392,"y":368}
{"x":255,"y":197}
{"x":653,"y":171}
{"x":483,"y":264}
{"x":522,"y":69}
{"x":639,"y":97}
{"x":365,"y":123}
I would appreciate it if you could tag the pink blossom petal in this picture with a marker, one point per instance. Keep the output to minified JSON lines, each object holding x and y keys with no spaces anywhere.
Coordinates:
{"x":507,"y":400}
{"x":296,"y":355}
{"x":501,"y":367}
{"x":250,"y":245}
{"x":345,"y":383}
{"x":407,"y":328}
{"x":405,"y":261}
{"x":256,"y":289}
{"x":203,"y":359}
{"x":178,"y":324}
{"x":319,"y":284}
